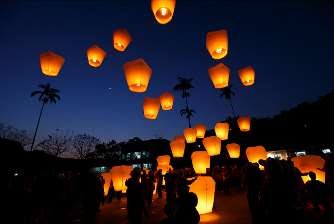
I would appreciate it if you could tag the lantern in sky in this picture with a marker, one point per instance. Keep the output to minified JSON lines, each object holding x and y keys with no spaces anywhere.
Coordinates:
{"x":254,"y":154}
{"x":212,"y":145}
{"x":217,"y":44}
{"x":233,"y":150}
{"x":200,"y":130}
{"x":163,"y":163}
{"x":310,"y":163}
{"x":244,"y":123}
{"x":179,"y":138}
{"x":177,"y":148}
{"x":200,"y":161}
{"x":166,"y":101}
{"x":151,"y":108}
{"x":219,"y":75}
{"x":51,"y":63}
{"x":163,"y":10}
{"x":190,"y":135}
{"x":221,"y":130}
{"x":247,"y":75}
{"x":137,"y":75}
{"x":107,"y":180}
{"x":95,"y":56}
{"x":204,"y":188}
{"x":119,"y":174}
{"x":121,"y":39}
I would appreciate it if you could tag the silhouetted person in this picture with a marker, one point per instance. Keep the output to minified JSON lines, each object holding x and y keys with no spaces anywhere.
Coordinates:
{"x":170,"y":181}
{"x":159,"y":183}
{"x":149,"y":185}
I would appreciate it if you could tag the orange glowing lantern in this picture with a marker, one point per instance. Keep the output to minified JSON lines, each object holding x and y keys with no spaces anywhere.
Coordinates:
{"x":107,"y":181}
{"x":221,"y":130}
{"x":51,"y":63}
{"x":119,"y":174}
{"x":95,"y":56}
{"x":163,"y":163}
{"x":219,"y":75}
{"x":217,"y":43}
{"x":212,"y":145}
{"x":247,"y":75}
{"x":200,"y":130}
{"x":244,"y":123}
{"x":177,"y":148}
{"x":310,"y":163}
{"x":137,"y":75}
{"x":121,"y":39}
{"x":190,"y":135}
{"x":200,"y":161}
{"x":163,"y":10}
{"x":151,"y":108}
{"x":204,"y":188}
{"x":179,"y":138}
{"x":166,"y":101}
{"x":233,"y":150}
{"x":254,"y":154}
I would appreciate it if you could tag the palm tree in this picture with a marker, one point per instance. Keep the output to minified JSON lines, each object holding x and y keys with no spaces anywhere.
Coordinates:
{"x":188,"y":113}
{"x":46,"y":95}
{"x":227,"y":93}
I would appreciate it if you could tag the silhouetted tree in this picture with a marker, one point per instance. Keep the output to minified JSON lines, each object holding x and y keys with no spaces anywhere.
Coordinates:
{"x":46,"y":95}
{"x":188,"y":113}
{"x":84,"y":144}
{"x":227,"y":93}
{"x":12,"y":133}
{"x":55,"y":144}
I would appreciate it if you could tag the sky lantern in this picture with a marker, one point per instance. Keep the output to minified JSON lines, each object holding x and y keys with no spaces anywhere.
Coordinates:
{"x":233,"y":150}
{"x":254,"y":154}
{"x":221,"y":130}
{"x":177,"y":148}
{"x":200,"y":161}
{"x":137,"y":75}
{"x":212,"y":145}
{"x":219,"y":75}
{"x":204,"y":188}
{"x":151,"y":107}
{"x":247,"y":75}
{"x":217,"y":44}
{"x":200,"y":130}
{"x":310,"y":163}
{"x":119,"y":174}
{"x":166,"y":101}
{"x":190,"y":135}
{"x":95,"y":56}
{"x":121,"y":39}
{"x":244,"y":123}
{"x":179,"y":138}
{"x":163,"y":10}
{"x":51,"y":63}
{"x":163,"y":163}
{"x":107,"y":180}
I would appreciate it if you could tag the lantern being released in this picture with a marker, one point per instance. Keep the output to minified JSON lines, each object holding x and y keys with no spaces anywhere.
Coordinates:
{"x":51,"y":63}
{"x":254,"y":154}
{"x":163,"y":163}
{"x":233,"y":150}
{"x":190,"y":135}
{"x":247,"y":75}
{"x":137,"y":75}
{"x":177,"y":148}
{"x":217,"y":44}
{"x":212,"y":145}
{"x":163,"y":10}
{"x":95,"y":56}
{"x":244,"y":123}
{"x":219,"y":75}
{"x":200,"y":130}
{"x":221,"y":130}
{"x":200,"y":161}
{"x":107,"y":181}
{"x":151,"y":108}
{"x":166,"y":101}
{"x":119,"y":174}
{"x":310,"y":163}
{"x":204,"y":188}
{"x":121,"y":39}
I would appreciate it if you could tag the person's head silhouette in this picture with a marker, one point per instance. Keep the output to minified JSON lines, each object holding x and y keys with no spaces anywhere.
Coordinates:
{"x":312,"y":175}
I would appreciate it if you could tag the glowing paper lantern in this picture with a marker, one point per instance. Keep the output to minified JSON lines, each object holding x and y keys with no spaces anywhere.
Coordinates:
{"x":107,"y":179}
{"x":51,"y":63}
{"x":95,"y":56}
{"x":244,"y":123}
{"x":247,"y":75}
{"x":204,"y":188}
{"x":119,"y":174}
{"x":190,"y":135}
{"x":200,"y":161}
{"x":121,"y":39}
{"x":179,"y":138}
{"x":254,"y":154}
{"x":177,"y":148}
{"x":219,"y":75}
{"x":212,"y":145}
{"x":200,"y":130}
{"x":163,"y":10}
{"x":151,"y":107}
{"x":221,"y":130}
{"x":233,"y":150}
{"x":137,"y":75}
{"x":166,"y":101}
{"x":217,"y":43}
{"x":163,"y":160}
{"x":310,"y":163}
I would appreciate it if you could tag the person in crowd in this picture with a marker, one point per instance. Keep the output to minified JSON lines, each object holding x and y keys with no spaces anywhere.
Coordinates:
{"x":159,"y":183}
{"x":170,"y":179}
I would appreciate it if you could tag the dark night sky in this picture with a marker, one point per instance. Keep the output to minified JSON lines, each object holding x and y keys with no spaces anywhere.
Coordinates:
{"x":289,"y":43}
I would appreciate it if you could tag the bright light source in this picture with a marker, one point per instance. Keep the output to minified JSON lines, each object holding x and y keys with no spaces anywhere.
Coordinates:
{"x":163,"y":11}
{"x":326,"y":151}
{"x":300,"y":153}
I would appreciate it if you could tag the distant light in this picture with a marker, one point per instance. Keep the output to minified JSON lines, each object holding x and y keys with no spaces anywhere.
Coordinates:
{"x":300,"y":153}
{"x":16,"y":174}
{"x":109,"y":88}
{"x":326,"y":151}
{"x":199,"y":146}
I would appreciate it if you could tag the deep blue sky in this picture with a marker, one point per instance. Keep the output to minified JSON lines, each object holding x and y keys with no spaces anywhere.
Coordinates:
{"x":289,"y":43}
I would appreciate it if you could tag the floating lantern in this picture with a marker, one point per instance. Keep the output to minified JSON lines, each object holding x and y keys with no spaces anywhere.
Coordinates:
{"x":163,"y":163}
{"x":179,"y":138}
{"x":221,"y":130}
{"x":310,"y":163}
{"x":200,"y":130}
{"x":254,"y":154}
{"x":219,"y":75}
{"x":244,"y":123}
{"x":137,"y":75}
{"x":217,"y":43}
{"x":212,"y":145}
{"x":204,"y":188}
{"x":51,"y":63}
{"x":163,"y":10}
{"x":119,"y":174}
{"x":190,"y":135}
{"x":121,"y":39}
{"x":151,"y":108}
{"x":200,"y":161}
{"x":95,"y":56}
{"x":233,"y":150}
{"x":107,"y":180}
{"x":247,"y":75}
{"x":177,"y":148}
{"x":166,"y":101}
